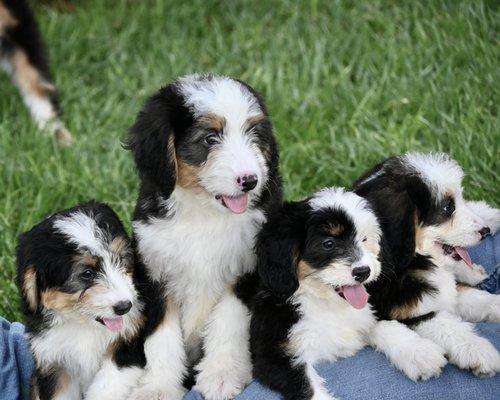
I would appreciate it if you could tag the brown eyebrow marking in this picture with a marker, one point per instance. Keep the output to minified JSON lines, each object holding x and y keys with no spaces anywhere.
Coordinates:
{"x":255,"y":120}
{"x":336,"y":230}
{"x":86,"y":259}
{"x":118,"y":245}
{"x":212,"y":121}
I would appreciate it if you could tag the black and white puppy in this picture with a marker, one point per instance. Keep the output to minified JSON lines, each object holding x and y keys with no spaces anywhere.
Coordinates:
{"x":23,"y":56}
{"x":426,"y":227}
{"x":208,"y":164}
{"x":78,"y":296}
{"x":315,"y":255}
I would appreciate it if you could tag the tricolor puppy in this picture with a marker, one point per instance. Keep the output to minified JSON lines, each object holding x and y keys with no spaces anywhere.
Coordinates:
{"x":23,"y":56}
{"x":75,"y":276}
{"x":426,"y":227}
{"x":208,"y":165}
{"x":315,"y":256}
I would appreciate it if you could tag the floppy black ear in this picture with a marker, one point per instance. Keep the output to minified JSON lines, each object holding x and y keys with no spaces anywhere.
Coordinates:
{"x":390,"y":195}
{"x":152,"y":139}
{"x":278,"y":249}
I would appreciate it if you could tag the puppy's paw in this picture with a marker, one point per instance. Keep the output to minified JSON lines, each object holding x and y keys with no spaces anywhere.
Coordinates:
{"x":222,"y":381}
{"x":145,"y":393}
{"x":476,"y":275}
{"x":478,"y":355}
{"x":425,"y":360}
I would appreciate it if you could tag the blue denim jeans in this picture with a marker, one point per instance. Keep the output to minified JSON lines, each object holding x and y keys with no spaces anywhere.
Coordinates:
{"x":367,"y":375}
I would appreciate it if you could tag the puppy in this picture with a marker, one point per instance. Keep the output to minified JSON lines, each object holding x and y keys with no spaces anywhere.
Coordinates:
{"x":426,"y":225}
{"x":23,"y":56}
{"x":314,"y":256}
{"x":74,"y":271}
{"x":208,"y":164}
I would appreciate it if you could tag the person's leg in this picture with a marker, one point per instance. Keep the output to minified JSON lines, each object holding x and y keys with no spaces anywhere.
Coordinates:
{"x":487,"y":254}
{"x":368,"y":375}
{"x":16,"y":362}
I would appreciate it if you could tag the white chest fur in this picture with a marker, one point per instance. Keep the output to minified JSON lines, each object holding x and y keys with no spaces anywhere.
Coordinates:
{"x":446,"y":296}
{"x":329,"y":328}
{"x":77,"y":346}
{"x":199,"y":251}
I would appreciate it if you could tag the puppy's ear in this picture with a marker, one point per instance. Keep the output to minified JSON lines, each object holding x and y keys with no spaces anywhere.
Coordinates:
{"x":152,"y":139}
{"x":278,"y":249}
{"x":489,"y":215}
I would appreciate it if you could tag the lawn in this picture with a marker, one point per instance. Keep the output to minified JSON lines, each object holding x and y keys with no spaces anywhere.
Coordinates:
{"x":347,"y":84}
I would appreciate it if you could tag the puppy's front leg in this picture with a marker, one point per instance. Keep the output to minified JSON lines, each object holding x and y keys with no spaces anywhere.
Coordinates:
{"x":112,"y":382}
{"x":54,"y":384}
{"x":226,"y":367}
{"x":417,"y":357}
{"x":476,"y":305}
{"x":165,"y":361}
{"x":463,"y":346}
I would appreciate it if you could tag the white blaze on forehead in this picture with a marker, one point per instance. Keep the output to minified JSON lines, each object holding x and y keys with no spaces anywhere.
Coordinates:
{"x":219,"y":95}
{"x":354,"y":206}
{"x":82,"y":230}
{"x":438,"y":170}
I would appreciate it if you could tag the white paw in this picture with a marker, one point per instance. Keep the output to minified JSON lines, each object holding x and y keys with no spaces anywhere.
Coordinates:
{"x":494,"y":310}
{"x":222,"y":382}
{"x":477,"y":275}
{"x":478,"y":355}
{"x":322,"y":395}
{"x":156,"y":394}
{"x":425,"y":360}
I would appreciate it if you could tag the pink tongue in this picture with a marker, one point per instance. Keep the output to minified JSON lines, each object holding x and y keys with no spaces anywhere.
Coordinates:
{"x":113,"y":324}
{"x":237,"y":204}
{"x":355,"y":295}
{"x":464,"y":255}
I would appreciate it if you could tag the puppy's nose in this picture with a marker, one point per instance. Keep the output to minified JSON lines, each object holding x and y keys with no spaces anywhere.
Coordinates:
{"x":361,"y":274}
{"x":484,"y":232}
{"x":247,"y":182}
{"x":122,"y":307}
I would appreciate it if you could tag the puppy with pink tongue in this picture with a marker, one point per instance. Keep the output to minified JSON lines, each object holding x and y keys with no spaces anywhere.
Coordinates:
{"x":315,"y":258}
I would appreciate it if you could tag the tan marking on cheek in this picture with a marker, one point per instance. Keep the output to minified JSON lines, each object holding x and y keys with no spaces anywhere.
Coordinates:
{"x":420,"y":233}
{"x":30,"y":290}
{"x":304,"y":269}
{"x":372,"y":246}
{"x":28,"y":78}
{"x":7,"y":20}
{"x":59,"y":301}
{"x":188,"y":176}
{"x":63,"y":381}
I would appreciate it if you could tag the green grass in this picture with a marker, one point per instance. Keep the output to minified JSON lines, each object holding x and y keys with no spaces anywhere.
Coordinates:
{"x":347,"y":84}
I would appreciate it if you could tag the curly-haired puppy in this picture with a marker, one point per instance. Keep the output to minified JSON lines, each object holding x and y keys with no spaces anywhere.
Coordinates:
{"x":315,"y":256}
{"x":208,"y":165}
{"x":426,"y":227}
{"x":78,"y":296}
{"x":23,"y":56}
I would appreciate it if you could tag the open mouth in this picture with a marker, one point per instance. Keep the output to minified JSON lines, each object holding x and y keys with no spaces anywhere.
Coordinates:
{"x":114,"y":324}
{"x":355,"y":295}
{"x":236,"y":204}
{"x":457,"y":253}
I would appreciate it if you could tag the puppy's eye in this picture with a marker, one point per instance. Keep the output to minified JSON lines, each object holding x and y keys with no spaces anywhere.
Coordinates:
{"x":87,"y":275}
{"x":211,"y":139}
{"x":328,"y":244}
{"x":448,"y":206}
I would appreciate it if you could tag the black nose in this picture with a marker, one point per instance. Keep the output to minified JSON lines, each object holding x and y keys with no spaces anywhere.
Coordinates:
{"x":122,"y":307}
{"x":361,"y":274}
{"x":484,"y":232}
{"x":248,"y":182}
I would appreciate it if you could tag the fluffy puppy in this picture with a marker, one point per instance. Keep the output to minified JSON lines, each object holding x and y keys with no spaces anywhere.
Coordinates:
{"x":314,"y":256}
{"x":426,"y":226}
{"x":208,"y":165}
{"x":23,"y":56}
{"x":74,"y":271}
